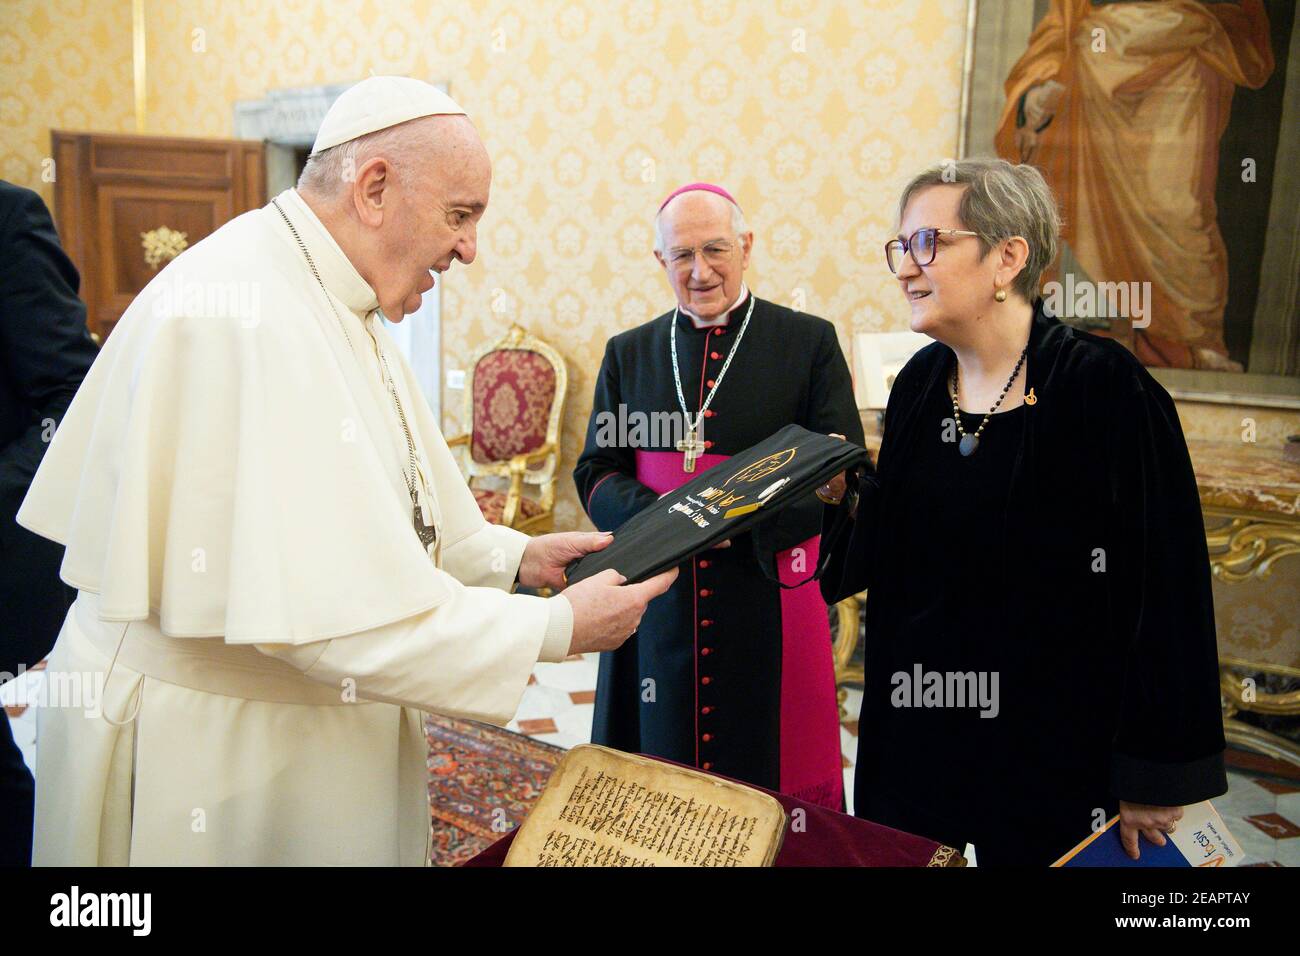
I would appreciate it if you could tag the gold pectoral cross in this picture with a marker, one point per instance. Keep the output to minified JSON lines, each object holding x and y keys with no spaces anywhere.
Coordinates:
{"x":692,"y":448}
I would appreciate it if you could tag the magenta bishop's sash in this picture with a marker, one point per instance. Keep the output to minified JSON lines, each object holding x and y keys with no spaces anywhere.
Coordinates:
{"x":811,"y":764}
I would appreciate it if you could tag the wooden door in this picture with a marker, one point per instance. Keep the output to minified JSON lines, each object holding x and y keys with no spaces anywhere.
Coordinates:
{"x":112,"y":191}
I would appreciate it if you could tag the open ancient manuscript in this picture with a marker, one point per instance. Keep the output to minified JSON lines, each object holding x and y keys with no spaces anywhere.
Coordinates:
{"x":603,"y":807}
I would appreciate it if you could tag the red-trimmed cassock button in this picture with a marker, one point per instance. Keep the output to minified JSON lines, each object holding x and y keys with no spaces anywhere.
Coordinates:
{"x":706,"y":680}
{"x":707,"y":622}
{"x":706,"y":737}
{"x":705,"y":592}
{"x":705,"y":651}
{"x":706,"y":766}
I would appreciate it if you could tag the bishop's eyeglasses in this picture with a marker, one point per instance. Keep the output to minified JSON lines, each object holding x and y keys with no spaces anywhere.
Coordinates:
{"x":715,"y":253}
{"x":921,"y":244}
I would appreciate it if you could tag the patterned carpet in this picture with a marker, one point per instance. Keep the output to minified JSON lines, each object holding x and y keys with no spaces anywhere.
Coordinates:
{"x":482,"y":782}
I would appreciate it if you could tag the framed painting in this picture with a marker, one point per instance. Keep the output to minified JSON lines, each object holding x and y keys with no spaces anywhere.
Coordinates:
{"x":1169,"y":131}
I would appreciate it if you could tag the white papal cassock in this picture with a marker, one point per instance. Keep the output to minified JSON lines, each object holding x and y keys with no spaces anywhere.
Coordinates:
{"x":229,"y":486}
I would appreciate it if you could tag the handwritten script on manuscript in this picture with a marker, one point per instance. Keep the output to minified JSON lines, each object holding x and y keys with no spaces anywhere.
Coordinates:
{"x":607,"y":808}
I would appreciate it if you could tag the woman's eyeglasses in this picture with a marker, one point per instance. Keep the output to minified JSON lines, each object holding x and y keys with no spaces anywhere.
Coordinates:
{"x":921,"y":245}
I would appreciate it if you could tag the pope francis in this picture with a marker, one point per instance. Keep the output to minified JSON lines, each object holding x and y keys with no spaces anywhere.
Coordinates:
{"x":278,"y":563}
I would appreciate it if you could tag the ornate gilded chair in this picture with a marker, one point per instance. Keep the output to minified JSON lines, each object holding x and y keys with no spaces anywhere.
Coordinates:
{"x":846,"y":622}
{"x":514,"y":400}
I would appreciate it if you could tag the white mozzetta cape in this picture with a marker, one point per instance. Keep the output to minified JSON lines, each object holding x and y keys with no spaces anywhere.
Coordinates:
{"x":231,"y":466}
{"x":229,"y":486}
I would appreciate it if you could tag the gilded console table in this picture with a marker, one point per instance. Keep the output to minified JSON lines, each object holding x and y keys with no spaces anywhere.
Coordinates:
{"x":1250,"y":496}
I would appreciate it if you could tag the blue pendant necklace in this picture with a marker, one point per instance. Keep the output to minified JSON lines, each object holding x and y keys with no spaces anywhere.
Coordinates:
{"x":969,"y":443}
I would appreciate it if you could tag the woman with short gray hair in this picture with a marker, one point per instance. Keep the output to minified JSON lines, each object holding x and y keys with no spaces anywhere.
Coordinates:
{"x":1040,"y":647}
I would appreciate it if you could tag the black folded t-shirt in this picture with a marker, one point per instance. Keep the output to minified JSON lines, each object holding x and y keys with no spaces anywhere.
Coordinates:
{"x":722,"y":502}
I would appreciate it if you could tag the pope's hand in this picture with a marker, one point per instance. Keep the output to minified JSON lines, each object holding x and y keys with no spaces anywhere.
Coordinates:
{"x":1151,"y":821}
{"x":547,"y":555}
{"x":606,"y":611}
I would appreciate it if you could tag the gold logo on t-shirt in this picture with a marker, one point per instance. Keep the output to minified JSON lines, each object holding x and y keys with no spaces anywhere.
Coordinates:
{"x":763,"y":467}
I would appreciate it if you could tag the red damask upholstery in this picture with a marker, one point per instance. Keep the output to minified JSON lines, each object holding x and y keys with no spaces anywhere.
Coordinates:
{"x":493,"y":505}
{"x":514,"y":403}
{"x":513,"y":393}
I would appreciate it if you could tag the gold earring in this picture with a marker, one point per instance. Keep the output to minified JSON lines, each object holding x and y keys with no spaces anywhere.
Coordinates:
{"x":1000,"y":295}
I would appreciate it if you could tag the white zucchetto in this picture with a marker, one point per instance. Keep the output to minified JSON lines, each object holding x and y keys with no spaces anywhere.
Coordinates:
{"x":379,"y":102}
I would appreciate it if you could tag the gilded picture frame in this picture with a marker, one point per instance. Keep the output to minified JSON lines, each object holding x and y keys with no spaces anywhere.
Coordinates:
{"x":1170,"y":132}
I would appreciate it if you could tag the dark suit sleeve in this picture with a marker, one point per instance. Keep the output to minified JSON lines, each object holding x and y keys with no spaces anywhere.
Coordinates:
{"x":45,"y":352}
{"x":44,"y":344}
{"x":831,"y":408}
{"x":1168,"y":750}
{"x":606,"y":470}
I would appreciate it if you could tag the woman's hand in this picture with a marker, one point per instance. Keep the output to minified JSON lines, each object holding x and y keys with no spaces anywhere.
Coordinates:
{"x":1151,"y":821}
{"x":833,"y":491}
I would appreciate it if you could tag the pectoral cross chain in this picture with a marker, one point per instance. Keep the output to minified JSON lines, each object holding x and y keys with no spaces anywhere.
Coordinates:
{"x":691,"y":446}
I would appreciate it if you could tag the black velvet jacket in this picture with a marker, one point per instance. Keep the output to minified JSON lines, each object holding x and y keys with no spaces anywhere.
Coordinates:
{"x":1110,"y":677}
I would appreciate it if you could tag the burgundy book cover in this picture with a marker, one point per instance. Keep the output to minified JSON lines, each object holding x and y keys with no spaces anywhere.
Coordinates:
{"x":825,"y":838}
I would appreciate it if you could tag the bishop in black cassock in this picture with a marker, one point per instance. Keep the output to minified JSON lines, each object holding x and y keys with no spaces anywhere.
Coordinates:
{"x":728,"y":671}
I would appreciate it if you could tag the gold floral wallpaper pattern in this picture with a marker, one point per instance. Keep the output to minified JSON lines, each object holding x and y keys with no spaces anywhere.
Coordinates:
{"x":813,"y":113}
{"x":64,"y":64}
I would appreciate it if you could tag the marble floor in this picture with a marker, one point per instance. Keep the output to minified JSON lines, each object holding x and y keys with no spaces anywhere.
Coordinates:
{"x":557,"y":708}
{"x":1261,"y":810}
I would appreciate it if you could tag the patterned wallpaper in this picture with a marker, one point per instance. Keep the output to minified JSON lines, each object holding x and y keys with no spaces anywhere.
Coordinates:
{"x":813,"y":113}
{"x":64,"y":64}
{"x":591,"y":112}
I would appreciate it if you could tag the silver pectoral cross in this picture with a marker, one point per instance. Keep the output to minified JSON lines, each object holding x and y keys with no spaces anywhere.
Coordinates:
{"x":692,"y":447}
